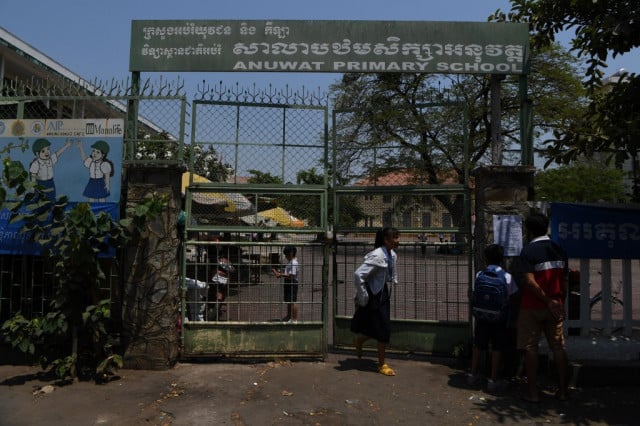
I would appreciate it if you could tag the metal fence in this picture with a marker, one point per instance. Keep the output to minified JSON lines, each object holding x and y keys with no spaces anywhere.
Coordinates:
{"x":27,"y":286}
{"x":602,"y":299}
{"x":157,"y":136}
{"x":270,"y":193}
{"x":381,"y":183}
{"x":235,"y":280}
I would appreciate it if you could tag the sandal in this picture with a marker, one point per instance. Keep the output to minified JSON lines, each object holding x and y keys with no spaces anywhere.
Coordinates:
{"x":358,"y":344}
{"x":386,"y":370}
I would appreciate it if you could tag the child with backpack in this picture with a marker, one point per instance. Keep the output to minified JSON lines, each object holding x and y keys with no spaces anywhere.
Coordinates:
{"x":492,"y":291}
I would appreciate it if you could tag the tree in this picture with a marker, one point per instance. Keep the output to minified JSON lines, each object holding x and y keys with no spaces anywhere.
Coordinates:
{"x":263,"y":177}
{"x":384,"y":123}
{"x":611,"y":124}
{"x":350,"y":212}
{"x":582,"y":183}
{"x":202,"y":159}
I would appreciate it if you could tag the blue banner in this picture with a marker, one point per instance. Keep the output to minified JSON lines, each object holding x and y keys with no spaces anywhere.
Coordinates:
{"x":14,"y":242}
{"x":588,"y":231}
{"x":79,"y":158}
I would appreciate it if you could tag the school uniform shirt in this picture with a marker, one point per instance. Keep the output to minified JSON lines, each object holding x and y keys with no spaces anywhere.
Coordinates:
{"x":43,"y":169}
{"x":97,"y":169}
{"x":291,"y":269}
{"x":378,"y":268}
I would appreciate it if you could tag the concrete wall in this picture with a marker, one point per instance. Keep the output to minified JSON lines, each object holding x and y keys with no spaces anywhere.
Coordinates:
{"x":500,"y":190}
{"x":151,"y":293}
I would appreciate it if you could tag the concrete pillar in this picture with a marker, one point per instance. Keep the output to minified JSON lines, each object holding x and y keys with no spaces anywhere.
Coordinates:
{"x":500,"y":190}
{"x":151,"y":293}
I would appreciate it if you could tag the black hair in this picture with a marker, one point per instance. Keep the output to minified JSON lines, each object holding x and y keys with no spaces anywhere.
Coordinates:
{"x":290,"y":250}
{"x":537,"y":224}
{"x":384,"y":233}
{"x":493,"y":254}
{"x":105,"y":159}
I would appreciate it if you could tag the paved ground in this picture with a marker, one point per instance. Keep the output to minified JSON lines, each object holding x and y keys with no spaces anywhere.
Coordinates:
{"x":342,"y":390}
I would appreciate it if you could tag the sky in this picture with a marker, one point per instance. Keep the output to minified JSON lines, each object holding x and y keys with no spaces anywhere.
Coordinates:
{"x":92,"y":38}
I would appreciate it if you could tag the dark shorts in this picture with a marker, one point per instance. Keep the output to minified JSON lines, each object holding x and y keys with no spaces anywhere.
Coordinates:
{"x":496,"y":334}
{"x":290,"y":291}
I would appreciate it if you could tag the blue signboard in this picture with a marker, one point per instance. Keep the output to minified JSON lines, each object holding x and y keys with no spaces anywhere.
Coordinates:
{"x":596,"y":232}
{"x":79,"y":158}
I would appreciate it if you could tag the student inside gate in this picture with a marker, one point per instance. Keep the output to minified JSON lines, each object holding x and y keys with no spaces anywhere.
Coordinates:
{"x":290,"y":275}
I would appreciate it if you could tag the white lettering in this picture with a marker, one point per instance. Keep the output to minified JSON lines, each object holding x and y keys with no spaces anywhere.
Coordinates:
{"x":379,"y":66}
{"x":476,"y":67}
{"x":471,"y":66}
{"x":277,"y":66}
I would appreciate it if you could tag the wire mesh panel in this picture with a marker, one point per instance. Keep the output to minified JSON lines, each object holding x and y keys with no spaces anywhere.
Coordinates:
{"x":432,"y":284}
{"x":269,"y":196}
{"x":390,"y":174}
{"x":272,"y":143}
{"x":239,"y":280}
{"x":26,"y":282}
{"x":156,"y":134}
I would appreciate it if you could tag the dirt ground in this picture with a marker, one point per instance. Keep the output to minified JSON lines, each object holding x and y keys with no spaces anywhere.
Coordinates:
{"x":341,"y":390}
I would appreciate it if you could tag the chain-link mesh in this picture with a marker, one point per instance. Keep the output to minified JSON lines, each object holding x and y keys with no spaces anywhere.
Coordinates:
{"x":433,"y":281}
{"x":237,"y":280}
{"x":378,"y":147}
{"x":270,"y":143}
{"x":434,"y":211}
{"x":156,"y":136}
{"x":403,"y":181}
{"x":26,"y":282}
{"x":294,"y":209}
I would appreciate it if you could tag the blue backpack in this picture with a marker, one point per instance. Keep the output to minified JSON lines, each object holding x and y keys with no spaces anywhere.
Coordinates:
{"x":490,"y":298}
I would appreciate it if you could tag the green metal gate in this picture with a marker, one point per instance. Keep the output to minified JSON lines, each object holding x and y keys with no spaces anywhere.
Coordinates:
{"x":429,"y":306}
{"x":270,"y":192}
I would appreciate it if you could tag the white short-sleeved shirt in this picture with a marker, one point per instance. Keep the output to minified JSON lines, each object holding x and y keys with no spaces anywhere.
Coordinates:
{"x":43,"y":169}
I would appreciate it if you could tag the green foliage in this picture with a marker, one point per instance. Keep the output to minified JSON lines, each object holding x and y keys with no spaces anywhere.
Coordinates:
{"x":388,"y":122}
{"x":600,"y":27}
{"x":65,"y":367}
{"x":611,"y":124}
{"x":202,"y":159}
{"x":42,"y":337}
{"x":580,"y":183}
{"x":261,"y":177}
{"x":71,"y":240}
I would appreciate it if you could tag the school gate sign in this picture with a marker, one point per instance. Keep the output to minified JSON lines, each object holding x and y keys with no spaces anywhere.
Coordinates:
{"x":329,"y":46}
{"x":494,"y":49}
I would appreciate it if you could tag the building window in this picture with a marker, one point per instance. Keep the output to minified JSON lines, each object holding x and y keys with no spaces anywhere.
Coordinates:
{"x":446,"y":220}
{"x":386,"y":199}
{"x":426,"y":220}
{"x":387,"y":219}
{"x":406,"y":219}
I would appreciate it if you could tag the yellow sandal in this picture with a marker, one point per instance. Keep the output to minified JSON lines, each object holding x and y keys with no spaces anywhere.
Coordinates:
{"x":386,"y":370}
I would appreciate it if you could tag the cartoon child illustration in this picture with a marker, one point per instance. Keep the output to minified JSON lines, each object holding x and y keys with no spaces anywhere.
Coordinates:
{"x":41,"y":168}
{"x":100,"y":171}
